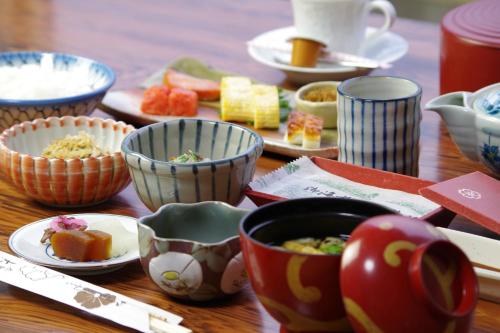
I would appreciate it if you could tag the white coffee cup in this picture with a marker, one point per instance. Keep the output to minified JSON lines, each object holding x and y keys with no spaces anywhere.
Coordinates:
{"x":340,"y":24}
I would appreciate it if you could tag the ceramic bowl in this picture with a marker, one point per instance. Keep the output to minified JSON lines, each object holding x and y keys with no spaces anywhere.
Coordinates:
{"x":58,"y":182}
{"x":192,"y":251}
{"x":13,"y":111}
{"x":325,"y":110}
{"x":402,"y":275}
{"x":232,"y":150}
{"x":300,"y":291}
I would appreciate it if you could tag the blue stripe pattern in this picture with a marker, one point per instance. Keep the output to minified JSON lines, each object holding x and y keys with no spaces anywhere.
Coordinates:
{"x":190,"y":182}
{"x":387,"y":150}
{"x":404,"y":135}
{"x":374,"y":137}
{"x":395,"y":138}
{"x":362,"y":133}
{"x":353,"y":143}
{"x":384,"y":137}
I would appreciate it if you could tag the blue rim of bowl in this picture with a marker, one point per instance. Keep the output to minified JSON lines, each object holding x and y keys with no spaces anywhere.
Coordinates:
{"x":76,"y":98}
{"x":127,"y":151}
{"x":357,"y":98}
{"x":140,"y":220}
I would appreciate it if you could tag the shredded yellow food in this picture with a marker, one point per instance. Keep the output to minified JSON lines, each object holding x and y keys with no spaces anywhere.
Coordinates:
{"x":81,"y":145}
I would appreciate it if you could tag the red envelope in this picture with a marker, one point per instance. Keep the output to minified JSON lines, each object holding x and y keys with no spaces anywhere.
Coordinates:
{"x":475,"y":196}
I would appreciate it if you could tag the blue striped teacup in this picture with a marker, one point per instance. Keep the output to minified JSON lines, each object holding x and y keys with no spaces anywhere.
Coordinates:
{"x":379,"y":123}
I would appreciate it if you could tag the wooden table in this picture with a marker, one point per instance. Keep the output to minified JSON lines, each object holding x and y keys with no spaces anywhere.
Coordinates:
{"x":137,"y":37}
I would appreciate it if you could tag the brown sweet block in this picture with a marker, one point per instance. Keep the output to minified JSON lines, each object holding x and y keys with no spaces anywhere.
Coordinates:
{"x":76,"y":245}
{"x":101,"y":246}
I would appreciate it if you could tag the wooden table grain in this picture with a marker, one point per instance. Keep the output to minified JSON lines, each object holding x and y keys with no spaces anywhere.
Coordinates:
{"x":137,"y":37}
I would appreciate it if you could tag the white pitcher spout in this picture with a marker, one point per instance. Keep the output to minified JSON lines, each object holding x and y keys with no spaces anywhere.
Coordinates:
{"x":459,"y":119}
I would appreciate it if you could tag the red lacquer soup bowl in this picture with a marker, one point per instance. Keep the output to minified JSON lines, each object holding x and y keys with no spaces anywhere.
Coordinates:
{"x":402,"y":275}
{"x":300,"y":291}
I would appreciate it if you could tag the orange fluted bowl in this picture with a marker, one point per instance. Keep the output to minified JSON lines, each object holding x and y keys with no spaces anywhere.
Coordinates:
{"x":65,"y":182}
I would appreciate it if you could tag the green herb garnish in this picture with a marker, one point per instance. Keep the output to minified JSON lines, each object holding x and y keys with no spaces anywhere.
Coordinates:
{"x":189,"y":157}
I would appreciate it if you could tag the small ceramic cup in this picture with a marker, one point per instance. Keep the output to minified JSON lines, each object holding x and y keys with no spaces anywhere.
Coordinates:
{"x":192,"y":251}
{"x":340,"y":23}
{"x":378,"y":123}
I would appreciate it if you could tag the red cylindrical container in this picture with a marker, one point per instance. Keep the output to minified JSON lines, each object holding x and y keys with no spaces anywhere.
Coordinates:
{"x":470,"y":47}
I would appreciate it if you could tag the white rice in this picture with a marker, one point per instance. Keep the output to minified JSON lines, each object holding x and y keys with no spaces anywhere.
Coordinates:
{"x":43,"y":81}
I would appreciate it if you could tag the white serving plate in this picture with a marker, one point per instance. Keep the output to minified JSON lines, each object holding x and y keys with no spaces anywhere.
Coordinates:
{"x":483,"y":252}
{"x":387,"y":48}
{"x":25,"y":242}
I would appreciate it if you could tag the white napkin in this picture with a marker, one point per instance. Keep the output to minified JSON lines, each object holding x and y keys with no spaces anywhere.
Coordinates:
{"x":302,"y":178}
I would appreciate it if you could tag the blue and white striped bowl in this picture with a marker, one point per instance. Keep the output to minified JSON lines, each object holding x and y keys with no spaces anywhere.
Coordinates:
{"x":13,"y":111}
{"x":379,"y":123}
{"x":232,"y":150}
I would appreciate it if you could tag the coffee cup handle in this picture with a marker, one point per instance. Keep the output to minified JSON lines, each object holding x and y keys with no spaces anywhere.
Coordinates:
{"x":389,"y":13}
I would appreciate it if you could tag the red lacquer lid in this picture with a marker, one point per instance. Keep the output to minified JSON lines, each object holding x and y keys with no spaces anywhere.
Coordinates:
{"x":478,"y":21}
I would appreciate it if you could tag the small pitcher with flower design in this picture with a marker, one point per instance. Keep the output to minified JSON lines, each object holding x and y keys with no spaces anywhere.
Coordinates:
{"x":473,"y":120}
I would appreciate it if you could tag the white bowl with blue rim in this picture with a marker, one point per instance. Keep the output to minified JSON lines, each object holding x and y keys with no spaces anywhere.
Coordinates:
{"x":98,"y":78}
{"x":231,"y":150}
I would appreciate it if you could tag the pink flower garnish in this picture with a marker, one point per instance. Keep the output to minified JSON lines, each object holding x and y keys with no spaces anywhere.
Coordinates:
{"x":63,"y":223}
{"x":67,"y":223}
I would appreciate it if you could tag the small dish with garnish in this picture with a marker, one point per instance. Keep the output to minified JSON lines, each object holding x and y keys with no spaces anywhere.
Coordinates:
{"x":67,"y":161}
{"x":191,"y":160}
{"x":27,"y":243}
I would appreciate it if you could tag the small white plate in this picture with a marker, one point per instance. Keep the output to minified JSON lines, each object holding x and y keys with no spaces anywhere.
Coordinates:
{"x":485,"y":252}
{"x":387,"y":48}
{"x":25,"y":242}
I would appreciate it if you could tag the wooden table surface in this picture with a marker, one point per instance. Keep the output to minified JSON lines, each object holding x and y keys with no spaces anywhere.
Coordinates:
{"x":137,"y":37}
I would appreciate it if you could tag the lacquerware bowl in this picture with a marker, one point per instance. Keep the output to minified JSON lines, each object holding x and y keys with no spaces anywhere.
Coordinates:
{"x":326,"y":110}
{"x":300,"y":291}
{"x":99,"y":76}
{"x":59,"y":182}
{"x":232,"y":150}
{"x":400,"y":274}
{"x":192,"y":251}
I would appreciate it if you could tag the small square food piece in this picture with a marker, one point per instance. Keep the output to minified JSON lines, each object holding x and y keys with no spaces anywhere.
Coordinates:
{"x":266,"y":105}
{"x":295,"y":127}
{"x":79,"y":245}
{"x":182,"y":102}
{"x":236,"y":99}
{"x":312,"y":132}
{"x":155,"y":100}
{"x":71,"y":244}
{"x":101,"y":246}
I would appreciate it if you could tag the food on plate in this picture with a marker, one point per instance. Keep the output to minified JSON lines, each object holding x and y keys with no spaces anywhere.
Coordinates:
{"x":295,"y":127}
{"x":63,"y":223}
{"x":189,"y":157}
{"x":206,"y":90}
{"x":81,"y":145}
{"x":327,"y":245}
{"x":241,"y":101}
{"x":76,"y":239}
{"x":161,"y":100}
{"x":76,"y":245}
{"x":304,"y":129}
{"x":266,"y":106}
{"x":236,"y":99}
{"x":182,"y":102}
{"x":155,"y":100}
{"x":313,"y":126}
{"x":321,"y":94}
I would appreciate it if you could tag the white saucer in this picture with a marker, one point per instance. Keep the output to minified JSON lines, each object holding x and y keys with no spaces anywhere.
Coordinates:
{"x":387,"y":48}
{"x":25,"y":242}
